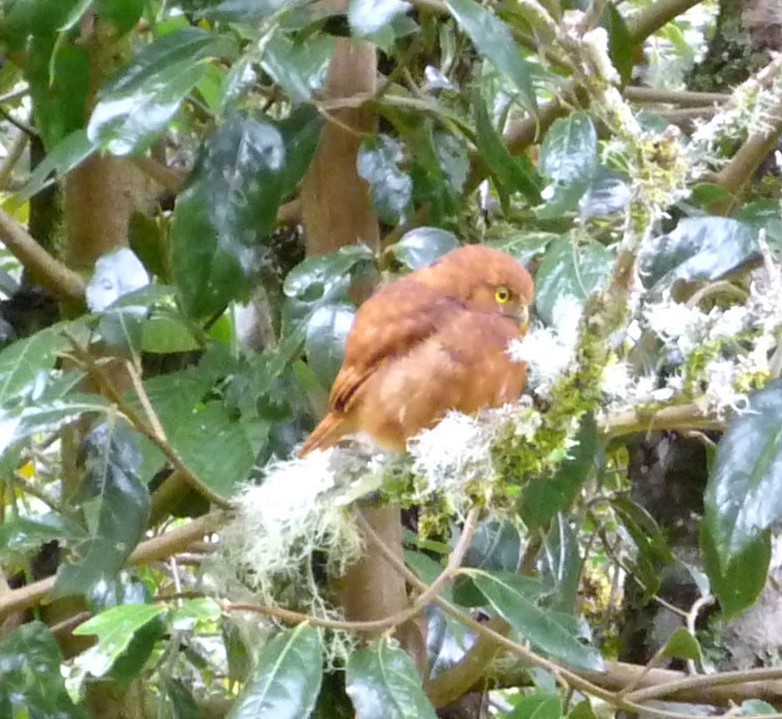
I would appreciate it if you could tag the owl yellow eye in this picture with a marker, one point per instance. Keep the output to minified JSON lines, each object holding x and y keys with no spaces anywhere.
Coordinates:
{"x":502,"y":295}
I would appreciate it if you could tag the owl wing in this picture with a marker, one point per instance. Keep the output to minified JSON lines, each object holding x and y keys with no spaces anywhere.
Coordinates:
{"x":389,"y":324}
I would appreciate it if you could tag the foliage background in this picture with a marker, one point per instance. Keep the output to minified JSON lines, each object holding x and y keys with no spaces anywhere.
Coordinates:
{"x":195,"y":196}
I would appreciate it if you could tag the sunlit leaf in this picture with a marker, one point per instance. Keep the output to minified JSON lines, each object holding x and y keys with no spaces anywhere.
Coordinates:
{"x":327,"y":330}
{"x":368,"y":16}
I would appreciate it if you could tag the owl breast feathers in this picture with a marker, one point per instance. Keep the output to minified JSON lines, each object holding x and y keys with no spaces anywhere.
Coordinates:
{"x":433,"y":341}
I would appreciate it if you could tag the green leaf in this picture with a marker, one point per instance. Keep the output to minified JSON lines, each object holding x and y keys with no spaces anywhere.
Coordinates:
{"x":247,"y":11}
{"x":608,"y":193}
{"x":26,"y":534}
{"x":494,"y":40}
{"x":543,"y":628}
{"x":496,"y":545}
{"x":121,"y":503}
{"x":59,"y":87}
{"x":32,"y":685}
{"x":453,"y":160}
{"x":67,"y":155}
{"x":115,"y":628}
{"x":743,"y":496}
{"x":620,"y":42}
{"x":21,"y":361}
{"x":570,"y":271}
{"x":212,"y":432}
{"x":298,"y":67}
{"x":390,"y":189}
{"x":367,"y":17}
{"x":539,"y":705}
{"x":560,"y":563}
{"x":700,"y":248}
{"x":125,"y":590}
{"x":422,"y":246}
{"x":682,"y":645}
{"x":138,"y":105}
{"x":287,"y":678}
{"x":327,"y":330}
{"x":122,"y":14}
{"x":524,"y":246}
{"x":230,"y":207}
{"x":653,"y":551}
{"x":513,"y":174}
{"x":383,"y":683}
{"x":739,"y":583}
{"x":568,"y":155}
{"x":543,"y":497}
{"x":129,"y":123}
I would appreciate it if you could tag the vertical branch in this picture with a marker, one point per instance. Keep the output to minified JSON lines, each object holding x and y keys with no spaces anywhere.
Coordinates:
{"x":337,"y":211}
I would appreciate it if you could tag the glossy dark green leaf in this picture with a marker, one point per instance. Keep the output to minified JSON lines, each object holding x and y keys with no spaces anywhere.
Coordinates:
{"x":138,"y":105}
{"x":227,"y":210}
{"x":538,"y":705}
{"x":68,"y":154}
{"x":32,"y":685}
{"x":560,"y":563}
{"x":513,"y":174}
{"x":367,"y":17}
{"x":570,"y":272}
{"x":700,"y":248}
{"x":129,"y":123}
{"x":738,"y":583}
{"x":541,"y":627}
{"x":287,"y":678}
{"x":568,"y":155}
{"x":422,"y":246}
{"x":124,"y":590}
{"x":682,"y":645}
{"x":327,"y":330}
{"x":115,"y":629}
{"x":608,"y":193}
{"x":22,"y":18}
{"x":494,"y":40}
{"x":21,"y":361}
{"x":59,"y":87}
{"x":301,"y":133}
{"x":182,"y":703}
{"x":25,"y":534}
{"x":620,"y":43}
{"x":121,"y":502}
{"x":453,"y":160}
{"x":218,"y":448}
{"x":298,"y":67}
{"x":391,"y":189}
{"x":383,"y":683}
{"x":744,"y":494}
{"x":524,"y":246}
{"x":653,"y":551}
{"x":543,"y":497}
{"x":496,"y":545}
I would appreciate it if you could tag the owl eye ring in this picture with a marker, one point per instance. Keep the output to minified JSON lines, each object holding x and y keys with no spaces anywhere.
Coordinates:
{"x":502,"y":295}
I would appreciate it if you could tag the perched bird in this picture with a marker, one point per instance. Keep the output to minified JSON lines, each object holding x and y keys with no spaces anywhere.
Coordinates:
{"x":433,"y":341}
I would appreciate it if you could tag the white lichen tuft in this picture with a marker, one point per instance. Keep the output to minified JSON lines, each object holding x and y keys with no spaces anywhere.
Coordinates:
{"x":280,"y":523}
{"x":549,"y":352}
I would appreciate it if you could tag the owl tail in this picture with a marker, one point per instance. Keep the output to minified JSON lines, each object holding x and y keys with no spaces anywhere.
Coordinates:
{"x":325,"y":435}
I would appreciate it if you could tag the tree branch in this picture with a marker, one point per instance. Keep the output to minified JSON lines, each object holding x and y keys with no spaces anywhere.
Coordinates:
{"x":160,"y":547}
{"x":47,"y":271}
